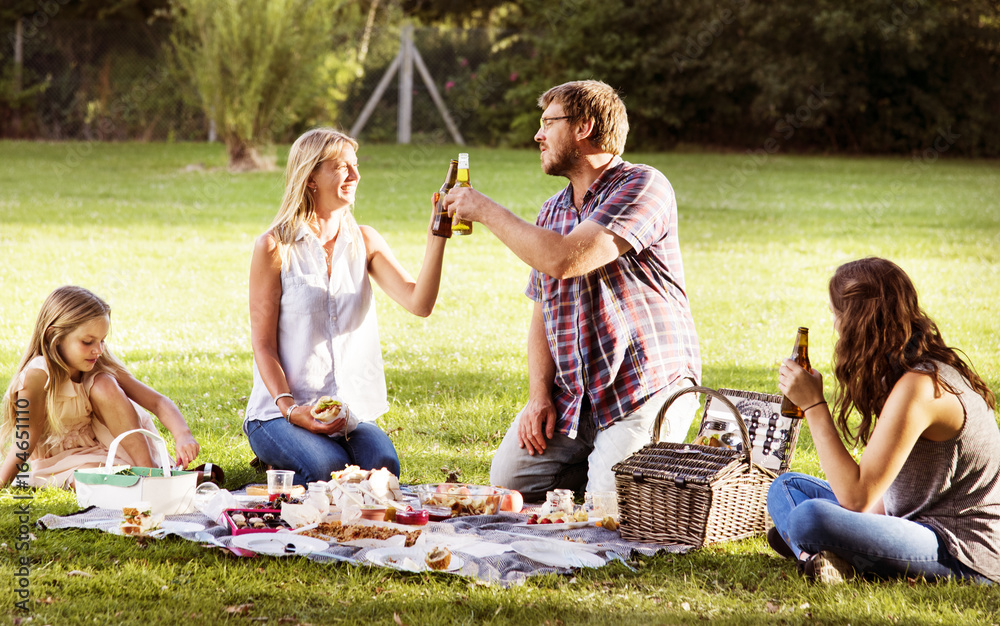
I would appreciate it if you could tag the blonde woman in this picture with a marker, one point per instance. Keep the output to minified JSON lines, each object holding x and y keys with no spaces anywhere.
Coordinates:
{"x":312,"y":317}
{"x":71,"y":397}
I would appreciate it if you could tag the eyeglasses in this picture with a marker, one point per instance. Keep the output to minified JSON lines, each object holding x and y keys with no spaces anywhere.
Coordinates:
{"x":546,"y":122}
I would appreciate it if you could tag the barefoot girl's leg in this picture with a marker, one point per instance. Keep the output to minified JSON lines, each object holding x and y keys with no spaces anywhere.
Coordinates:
{"x":114,"y":408}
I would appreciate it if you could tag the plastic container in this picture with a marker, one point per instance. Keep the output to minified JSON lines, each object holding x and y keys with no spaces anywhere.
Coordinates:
{"x":416,"y":517}
{"x":461,"y":498}
{"x":270,"y":521}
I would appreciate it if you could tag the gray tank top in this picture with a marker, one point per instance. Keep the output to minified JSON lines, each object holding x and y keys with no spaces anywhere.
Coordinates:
{"x":954,"y":486}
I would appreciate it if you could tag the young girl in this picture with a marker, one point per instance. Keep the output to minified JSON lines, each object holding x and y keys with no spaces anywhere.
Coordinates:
{"x":312,"y":317}
{"x":70,"y":398}
{"x":924,"y":498}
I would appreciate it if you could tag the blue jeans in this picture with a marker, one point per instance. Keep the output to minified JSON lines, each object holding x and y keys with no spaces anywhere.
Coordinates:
{"x":810,"y":520}
{"x":314,"y":457}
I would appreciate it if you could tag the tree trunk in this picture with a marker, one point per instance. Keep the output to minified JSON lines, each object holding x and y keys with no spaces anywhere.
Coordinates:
{"x":244,"y":156}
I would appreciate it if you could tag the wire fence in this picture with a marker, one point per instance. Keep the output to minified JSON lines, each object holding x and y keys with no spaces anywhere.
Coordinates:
{"x":108,"y":81}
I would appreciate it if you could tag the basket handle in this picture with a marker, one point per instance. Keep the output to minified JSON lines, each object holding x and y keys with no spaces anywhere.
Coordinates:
{"x":744,"y":433}
{"x":157,"y":441}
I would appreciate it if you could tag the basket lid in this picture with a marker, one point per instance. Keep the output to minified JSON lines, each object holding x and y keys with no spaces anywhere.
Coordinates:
{"x":681,"y":463}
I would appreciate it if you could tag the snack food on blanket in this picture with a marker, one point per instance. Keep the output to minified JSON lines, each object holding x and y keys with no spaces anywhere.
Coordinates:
{"x":438,"y":558}
{"x":138,"y":521}
{"x":340,"y":533}
{"x":326,"y":409}
{"x":559,"y":517}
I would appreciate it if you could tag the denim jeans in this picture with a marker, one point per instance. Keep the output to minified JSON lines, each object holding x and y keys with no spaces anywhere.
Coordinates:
{"x":810,"y":520}
{"x":586,"y":461}
{"x":314,"y":457}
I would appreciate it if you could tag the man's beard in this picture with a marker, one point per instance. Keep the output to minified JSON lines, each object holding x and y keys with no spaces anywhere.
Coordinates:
{"x":562,"y":161}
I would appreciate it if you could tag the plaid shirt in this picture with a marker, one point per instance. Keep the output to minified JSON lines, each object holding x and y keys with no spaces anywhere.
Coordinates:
{"x":624,"y":331}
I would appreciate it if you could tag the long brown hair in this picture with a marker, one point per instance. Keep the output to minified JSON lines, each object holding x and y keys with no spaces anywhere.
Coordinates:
{"x":884,"y":334}
{"x":64,"y":310}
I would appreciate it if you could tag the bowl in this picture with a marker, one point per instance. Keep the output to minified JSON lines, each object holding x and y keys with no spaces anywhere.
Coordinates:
{"x":463,"y":499}
{"x":416,"y":517}
{"x":373,"y":512}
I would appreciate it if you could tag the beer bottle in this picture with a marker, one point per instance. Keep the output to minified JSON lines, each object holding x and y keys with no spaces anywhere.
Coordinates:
{"x":462,"y":227}
{"x":442,"y":221}
{"x":800,"y":354}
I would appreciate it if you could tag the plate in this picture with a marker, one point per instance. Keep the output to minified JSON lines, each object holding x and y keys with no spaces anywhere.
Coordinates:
{"x":555,"y":555}
{"x":182,"y":527}
{"x":409,"y":559}
{"x":563,"y":526}
{"x":165,"y":528}
{"x":275,"y":544}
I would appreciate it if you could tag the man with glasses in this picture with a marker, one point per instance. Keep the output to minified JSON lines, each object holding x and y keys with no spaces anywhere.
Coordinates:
{"x":611,"y":334}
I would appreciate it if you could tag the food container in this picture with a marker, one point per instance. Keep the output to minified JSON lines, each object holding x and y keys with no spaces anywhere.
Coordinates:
{"x":416,"y":517}
{"x":460,"y":498}
{"x":437,"y":513}
{"x":373,"y":512}
{"x":240,"y":521}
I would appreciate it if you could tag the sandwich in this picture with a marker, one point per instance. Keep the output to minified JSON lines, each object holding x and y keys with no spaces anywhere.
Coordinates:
{"x":326,"y":409}
{"x":438,"y":558}
{"x":138,"y":521}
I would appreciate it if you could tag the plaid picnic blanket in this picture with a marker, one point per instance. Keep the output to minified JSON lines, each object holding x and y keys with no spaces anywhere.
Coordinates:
{"x":493,"y":548}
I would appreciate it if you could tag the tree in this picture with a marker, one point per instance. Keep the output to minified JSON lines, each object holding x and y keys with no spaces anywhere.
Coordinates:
{"x":254,"y":64}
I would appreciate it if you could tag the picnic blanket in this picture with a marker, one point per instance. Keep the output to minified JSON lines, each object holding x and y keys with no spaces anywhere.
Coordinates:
{"x":485,"y":543}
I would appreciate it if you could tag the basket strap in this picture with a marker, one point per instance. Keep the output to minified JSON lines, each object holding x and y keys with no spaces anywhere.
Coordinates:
{"x":744,"y":433}
{"x":157,"y":441}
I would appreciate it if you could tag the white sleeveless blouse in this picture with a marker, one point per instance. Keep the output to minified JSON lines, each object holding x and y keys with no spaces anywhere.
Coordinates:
{"x":328,"y":341}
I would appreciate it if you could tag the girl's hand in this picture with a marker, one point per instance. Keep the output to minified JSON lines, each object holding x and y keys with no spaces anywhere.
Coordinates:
{"x":187,"y":449}
{"x":802,"y":387}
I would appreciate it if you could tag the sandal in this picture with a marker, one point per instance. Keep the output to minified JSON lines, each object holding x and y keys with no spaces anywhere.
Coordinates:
{"x":827,"y":567}
{"x":778,"y":544}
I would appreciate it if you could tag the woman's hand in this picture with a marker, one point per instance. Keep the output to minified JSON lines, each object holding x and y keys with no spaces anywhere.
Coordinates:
{"x":302,"y":416}
{"x":804,"y":388}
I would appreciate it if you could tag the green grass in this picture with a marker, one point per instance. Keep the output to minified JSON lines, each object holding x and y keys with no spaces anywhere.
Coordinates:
{"x":169,"y":246}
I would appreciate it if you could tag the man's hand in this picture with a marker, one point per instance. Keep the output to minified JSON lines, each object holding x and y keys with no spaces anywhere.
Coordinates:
{"x":468,"y":204}
{"x":536,"y":424}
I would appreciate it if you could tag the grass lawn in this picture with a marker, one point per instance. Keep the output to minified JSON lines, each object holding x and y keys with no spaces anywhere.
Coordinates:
{"x":165,"y":233}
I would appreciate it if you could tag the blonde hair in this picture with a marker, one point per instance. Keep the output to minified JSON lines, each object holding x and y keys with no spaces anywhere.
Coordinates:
{"x":593,"y":100}
{"x":298,"y":207}
{"x":64,"y":310}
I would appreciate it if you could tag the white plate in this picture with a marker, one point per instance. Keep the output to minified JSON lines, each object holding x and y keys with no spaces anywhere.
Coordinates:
{"x":563,"y":526}
{"x":182,"y":527}
{"x":556,"y":555}
{"x":409,"y":559}
{"x":274,"y":544}
{"x":166,"y":528}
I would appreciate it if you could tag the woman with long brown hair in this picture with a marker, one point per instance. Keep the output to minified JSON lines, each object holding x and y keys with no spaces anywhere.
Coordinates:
{"x":923,"y":499}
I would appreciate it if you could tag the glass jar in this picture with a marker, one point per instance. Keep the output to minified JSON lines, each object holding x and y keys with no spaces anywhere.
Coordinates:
{"x":318,"y":498}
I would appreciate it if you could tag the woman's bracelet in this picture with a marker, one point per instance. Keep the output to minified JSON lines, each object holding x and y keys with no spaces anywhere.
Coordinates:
{"x":812,"y":405}
{"x":283,"y":395}
{"x":288,"y":414}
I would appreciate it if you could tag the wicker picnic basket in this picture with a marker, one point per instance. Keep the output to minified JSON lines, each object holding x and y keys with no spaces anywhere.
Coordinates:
{"x":693,"y":495}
